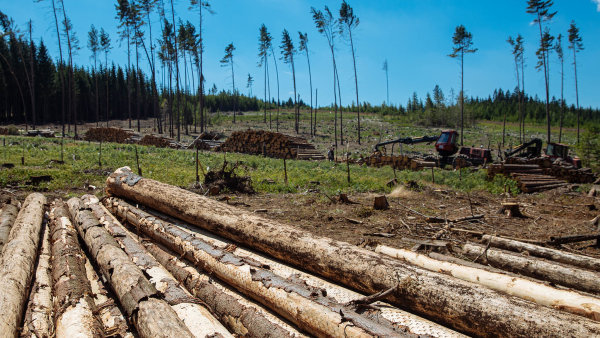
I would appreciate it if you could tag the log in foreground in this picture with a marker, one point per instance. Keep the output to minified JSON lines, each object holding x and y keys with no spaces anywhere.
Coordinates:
{"x":195,"y":316}
{"x":572,"y":277}
{"x":7,"y":219}
{"x":535,"y":291}
{"x":152,"y":317}
{"x":458,"y":304}
{"x":310,"y":308}
{"x":539,"y":251}
{"x":17,"y":263}
{"x":73,"y":304}
{"x":39,"y":321}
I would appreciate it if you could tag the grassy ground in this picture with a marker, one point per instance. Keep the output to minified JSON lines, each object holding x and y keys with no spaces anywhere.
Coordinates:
{"x":177,"y":167}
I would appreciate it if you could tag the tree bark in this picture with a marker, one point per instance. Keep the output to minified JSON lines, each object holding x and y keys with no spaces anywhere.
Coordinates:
{"x":73,"y":305}
{"x":567,"y":276}
{"x":39,"y":321}
{"x":581,"y":261}
{"x":456,"y":303}
{"x":138,"y":297}
{"x":526,"y":289}
{"x":7,"y":219}
{"x":196,"y":317}
{"x":17,"y":263}
{"x":307,"y":307}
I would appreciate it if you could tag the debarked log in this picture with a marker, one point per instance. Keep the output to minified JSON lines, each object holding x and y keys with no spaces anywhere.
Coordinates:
{"x":195,"y":316}
{"x":538,"y":292}
{"x":17,"y":263}
{"x":7,"y":219}
{"x":548,"y":253}
{"x":457,"y":303}
{"x":39,"y":321}
{"x":151,"y":316}
{"x":307,"y":307}
{"x":572,"y":277}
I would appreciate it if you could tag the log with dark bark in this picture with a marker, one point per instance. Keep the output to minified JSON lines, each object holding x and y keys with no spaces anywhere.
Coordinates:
{"x":572,"y":277}
{"x":74,"y":307}
{"x":7,"y":219}
{"x":456,"y":303}
{"x":195,"y":316}
{"x":151,"y":316}
{"x":17,"y":263}
{"x":307,"y":307}
{"x":581,"y":261}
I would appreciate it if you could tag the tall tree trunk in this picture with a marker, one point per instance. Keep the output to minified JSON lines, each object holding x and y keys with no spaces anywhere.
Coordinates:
{"x":278,"y":103}
{"x":576,"y":92}
{"x":296,"y":109}
{"x":355,"y":83}
{"x":562,"y":99}
{"x":128,"y":79}
{"x":312,"y":126}
{"x":137,"y":84}
{"x":462,"y":96}
{"x":72,"y":110}
{"x":32,"y":86}
{"x":178,"y":93}
{"x":544,"y":61}
{"x":59,"y":68}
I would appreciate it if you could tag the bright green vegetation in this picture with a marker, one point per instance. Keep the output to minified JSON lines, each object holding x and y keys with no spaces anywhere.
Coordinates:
{"x":177,"y":167}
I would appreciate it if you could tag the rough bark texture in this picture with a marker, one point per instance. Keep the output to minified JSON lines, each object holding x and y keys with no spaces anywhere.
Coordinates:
{"x":39,"y":321}
{"x":535,"y":291}
{"x":197,"y":318}
{"x":74,"y":307}
{"x":152,"y":317}
{"x":578,"y":279}
{"x":17,"y":263}
{"x":7,"y":219}
{"x":539,"y":251}
{"x":309,"y":308}
{"x":456,"y":303}
{"x":238,"y":315}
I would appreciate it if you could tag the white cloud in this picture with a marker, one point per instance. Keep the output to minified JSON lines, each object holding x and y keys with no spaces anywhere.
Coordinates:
{"x":597,"y":2}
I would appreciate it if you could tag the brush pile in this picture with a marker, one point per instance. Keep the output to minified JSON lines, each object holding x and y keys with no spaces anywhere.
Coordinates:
{"x":270,"y":144}
{"x":226,"y":179}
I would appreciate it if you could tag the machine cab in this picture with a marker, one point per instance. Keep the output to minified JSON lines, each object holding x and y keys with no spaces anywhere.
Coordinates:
{"x":557,"y":150}
{"x":446,"y":143}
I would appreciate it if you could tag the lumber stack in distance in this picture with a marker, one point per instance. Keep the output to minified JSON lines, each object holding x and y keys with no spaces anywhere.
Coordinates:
{"x":108,"y":134}
{"x":538,"y":292}
{"x":17,"y":263}
{"x":453,"y":302}
{"x":542,"y":166}
{"x":271,"y":144}
{"x":151,"y":316}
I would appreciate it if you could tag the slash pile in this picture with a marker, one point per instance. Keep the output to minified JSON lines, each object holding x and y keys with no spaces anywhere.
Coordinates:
{"x":153,"y":260}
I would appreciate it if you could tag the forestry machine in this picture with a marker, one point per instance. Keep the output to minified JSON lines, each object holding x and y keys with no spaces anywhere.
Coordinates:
{"x":553,"y":151}
{"x":446,"y":147}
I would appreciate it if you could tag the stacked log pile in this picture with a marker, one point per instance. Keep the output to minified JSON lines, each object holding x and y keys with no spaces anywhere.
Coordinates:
{"x":541,"y":174}
{"x":260,"y":142}
{"x":102,"y":134}
{"x":159,"y":141}
{"x":399,"y":162}
{"x":557,"y":168}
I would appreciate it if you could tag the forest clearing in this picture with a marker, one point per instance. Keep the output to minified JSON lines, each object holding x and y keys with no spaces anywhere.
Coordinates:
{"x":146,"y":193}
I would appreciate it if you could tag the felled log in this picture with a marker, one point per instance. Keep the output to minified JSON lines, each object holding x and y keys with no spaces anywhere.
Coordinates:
{"x":308,"y":308}
{"x":73,"y":305}
{"x":572,"y":277}
{"x":540,"y":293}
{"x":7,"y":219}
{"x":196,"y":317}
{"x":239,"y":315}
{"x":39,"y":321}
{"x":17,"y":263}
{"x":151,"y":316}
{"x":443,"y":298}
{"x":572,"y":239}
{"x":539,"y":251}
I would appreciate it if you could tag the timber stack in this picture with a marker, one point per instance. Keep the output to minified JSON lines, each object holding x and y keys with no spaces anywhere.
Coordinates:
{"x":103,"y":134}
{"x":270,"y":144}
{"x":158,"y":141}
{"x":400,"y":162}
{"x":561,"y":171}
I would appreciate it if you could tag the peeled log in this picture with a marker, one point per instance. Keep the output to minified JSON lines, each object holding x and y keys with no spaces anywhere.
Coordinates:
{"x":39,"y":321}
{"x":309,"y":308}
{"x":197,"y":318}
{"x":17,"y":263}
{"x":152,"y":317}
{"x":7,"y":219}
{"x":73,"y":304}
{"x":456,"y":303}
{"x":581,"y":261}
{"x":578,"y":279}
{"x":540,"y":293}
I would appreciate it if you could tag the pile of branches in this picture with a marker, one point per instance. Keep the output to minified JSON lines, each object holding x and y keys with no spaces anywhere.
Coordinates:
{"x":103,"y":134}
{"x":226,"y":178}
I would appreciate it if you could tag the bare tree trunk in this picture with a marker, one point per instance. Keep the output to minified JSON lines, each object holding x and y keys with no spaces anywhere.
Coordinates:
{"x":576,"y":91}
{"x":453,"y":302}
{"x":17,"y":263}
{"x":178,"y":93}
{"x":59,"y":68}
{"x":278,"y":102}
{"x":32,"y":86}
{"x":355,"y":82}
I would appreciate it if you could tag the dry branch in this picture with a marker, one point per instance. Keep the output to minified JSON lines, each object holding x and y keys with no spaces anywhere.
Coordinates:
{"x":451,"y":301}
{"x":17,"y":263}
{"x":152,"y":317}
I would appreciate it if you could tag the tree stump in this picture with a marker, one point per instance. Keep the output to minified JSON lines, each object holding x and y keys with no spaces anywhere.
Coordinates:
{"x":511,"y":209}
{"x":381,"y":203}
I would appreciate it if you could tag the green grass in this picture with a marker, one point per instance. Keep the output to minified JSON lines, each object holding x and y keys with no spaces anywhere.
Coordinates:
{"x":177,"y":167}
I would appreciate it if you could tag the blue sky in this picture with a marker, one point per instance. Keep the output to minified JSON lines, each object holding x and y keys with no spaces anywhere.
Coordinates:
{"x":413,"y":35}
